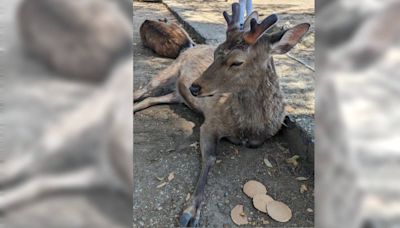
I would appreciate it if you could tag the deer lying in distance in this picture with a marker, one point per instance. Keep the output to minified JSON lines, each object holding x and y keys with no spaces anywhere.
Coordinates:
{"x":234,"y":86}
{"x":165,"y":39}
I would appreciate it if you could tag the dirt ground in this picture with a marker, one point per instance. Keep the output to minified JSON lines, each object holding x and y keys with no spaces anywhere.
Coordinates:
{"x":165,"y":139}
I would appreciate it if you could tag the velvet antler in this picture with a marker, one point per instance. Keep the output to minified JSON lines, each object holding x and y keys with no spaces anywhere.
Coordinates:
{"x":233,"y":21}
{"x":256,"y":30}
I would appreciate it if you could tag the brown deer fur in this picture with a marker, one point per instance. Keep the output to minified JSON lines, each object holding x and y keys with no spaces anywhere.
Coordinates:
{"x":237,"y":91}
{"x":165,"y":39}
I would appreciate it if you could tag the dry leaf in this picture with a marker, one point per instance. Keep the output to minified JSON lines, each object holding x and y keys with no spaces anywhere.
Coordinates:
{"x":218,"y":161}
{"x":267,"y":163}
{"x":187,"y":197}
{"x":194,"y":145}
{"x":236,"y":151}
{"x":252,"y":188}
{"x":282,"y":148}
{"x":310,"y":210}
{"x":303,"y":188}
{"x":293,"y":160}
{"x":171,"y":176}
{"x":236,"y":215}
{"x":265,"y":222}
{"x":160,"y":178}
{"x":260,"y":202}
{"x":279,"y":211}
{"x":161,"y":185}
{"x":301,"y":178}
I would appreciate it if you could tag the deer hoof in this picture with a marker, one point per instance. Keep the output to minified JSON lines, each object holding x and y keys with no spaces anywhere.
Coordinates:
{"x":190,"y":217}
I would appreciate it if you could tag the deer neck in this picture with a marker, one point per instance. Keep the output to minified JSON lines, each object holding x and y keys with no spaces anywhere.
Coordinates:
{"x":258,"y":110}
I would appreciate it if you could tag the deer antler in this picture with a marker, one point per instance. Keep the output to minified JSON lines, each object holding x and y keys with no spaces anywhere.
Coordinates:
{"x":233,"y":21}
{"x":256,"y":30}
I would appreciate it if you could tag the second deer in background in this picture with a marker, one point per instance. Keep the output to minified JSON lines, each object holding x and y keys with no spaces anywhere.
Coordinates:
{"x":165,"y":39}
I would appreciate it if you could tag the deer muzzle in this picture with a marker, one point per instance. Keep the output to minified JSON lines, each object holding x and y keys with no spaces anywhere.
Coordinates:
{"x":195,"y":89}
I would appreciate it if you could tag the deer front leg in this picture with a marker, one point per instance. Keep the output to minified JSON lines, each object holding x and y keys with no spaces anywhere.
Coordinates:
{"x":208,"y":144}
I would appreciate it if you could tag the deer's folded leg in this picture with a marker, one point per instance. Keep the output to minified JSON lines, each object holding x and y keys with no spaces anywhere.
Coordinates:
{"x":208,"y":144}
{"x":166,"y":99}
{"x":163,"y":83}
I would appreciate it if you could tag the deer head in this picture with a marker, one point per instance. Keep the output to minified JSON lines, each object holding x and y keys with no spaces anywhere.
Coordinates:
{"x":241,"y":61}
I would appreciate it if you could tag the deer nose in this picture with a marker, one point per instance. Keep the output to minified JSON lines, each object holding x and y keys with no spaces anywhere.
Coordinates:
{"x":195,"y":89}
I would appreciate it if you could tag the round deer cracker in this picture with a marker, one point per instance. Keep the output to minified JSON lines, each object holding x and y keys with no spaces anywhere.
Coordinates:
{"x":279,"y":211}
{"x":260,"y":202}
{"x":238,"y":216}
{"x":252,"y":188}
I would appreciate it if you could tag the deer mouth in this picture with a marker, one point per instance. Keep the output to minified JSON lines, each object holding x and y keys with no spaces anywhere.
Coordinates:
{"x":206,"y":94}
{"x":211,"y":95}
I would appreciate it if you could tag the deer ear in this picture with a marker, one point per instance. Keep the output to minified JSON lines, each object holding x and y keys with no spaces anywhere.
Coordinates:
{"x":283,"y":41}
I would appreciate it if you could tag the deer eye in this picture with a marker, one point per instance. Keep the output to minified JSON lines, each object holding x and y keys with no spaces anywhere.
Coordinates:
{"x":235,"y":64}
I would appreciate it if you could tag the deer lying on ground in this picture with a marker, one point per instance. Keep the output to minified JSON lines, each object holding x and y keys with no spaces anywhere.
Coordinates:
{"x":234,"y":86}
{"x":165,"y":39}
